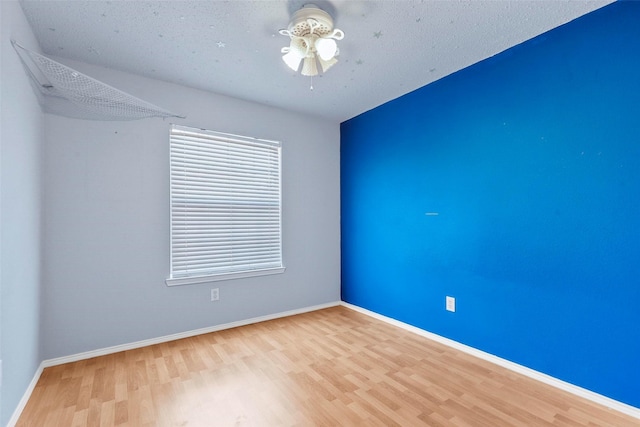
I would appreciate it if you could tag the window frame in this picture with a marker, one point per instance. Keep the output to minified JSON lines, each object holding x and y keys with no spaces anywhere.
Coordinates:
{"x":182,"y":276}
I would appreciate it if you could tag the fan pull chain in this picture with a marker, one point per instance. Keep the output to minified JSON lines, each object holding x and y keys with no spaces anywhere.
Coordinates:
{"x":311,"y":87}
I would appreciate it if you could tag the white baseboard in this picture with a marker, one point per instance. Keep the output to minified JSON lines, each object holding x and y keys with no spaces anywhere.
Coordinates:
{"x":138,"y":344}
{"x":579,"y":391}
{"x":180,"y":335}
{"x":536,"y":375}
{"x":25,"y":397}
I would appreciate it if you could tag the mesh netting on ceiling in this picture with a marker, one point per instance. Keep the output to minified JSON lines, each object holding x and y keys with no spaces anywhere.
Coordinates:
{"x":66,"y":92}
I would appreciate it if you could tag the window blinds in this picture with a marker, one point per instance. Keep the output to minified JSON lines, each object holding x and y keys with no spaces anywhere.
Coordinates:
{"x":225,"y":204}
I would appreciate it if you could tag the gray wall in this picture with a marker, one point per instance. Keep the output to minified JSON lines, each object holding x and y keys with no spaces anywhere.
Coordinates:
{"x":87,"y":216}
{"x":20,"y":219}
{"x":106,"y":240}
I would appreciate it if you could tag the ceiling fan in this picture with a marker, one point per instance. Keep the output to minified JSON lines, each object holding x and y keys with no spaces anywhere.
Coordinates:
{"x":313,"y":41}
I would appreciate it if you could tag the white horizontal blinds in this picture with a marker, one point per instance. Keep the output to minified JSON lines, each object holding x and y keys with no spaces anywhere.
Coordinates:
{"x":225,"y":203}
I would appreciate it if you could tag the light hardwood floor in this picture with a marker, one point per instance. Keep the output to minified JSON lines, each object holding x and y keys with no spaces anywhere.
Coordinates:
{"x":332,"y":367}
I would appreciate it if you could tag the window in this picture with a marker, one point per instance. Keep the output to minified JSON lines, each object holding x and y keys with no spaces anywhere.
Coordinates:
{"x":225,"y":206}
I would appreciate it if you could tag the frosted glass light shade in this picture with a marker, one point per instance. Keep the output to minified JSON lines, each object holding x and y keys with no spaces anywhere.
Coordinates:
{"x":299,"y":46}
{"x":292,"y":59}
{"x":309,"y":68}
{"x":326,"y":48}
{"x":325,"y":65}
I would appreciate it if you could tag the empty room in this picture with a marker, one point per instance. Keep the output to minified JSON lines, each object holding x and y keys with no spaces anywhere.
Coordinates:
{"x":327,"y":213}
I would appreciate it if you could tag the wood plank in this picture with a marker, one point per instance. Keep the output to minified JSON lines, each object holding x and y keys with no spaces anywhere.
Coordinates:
{"x":325,"y":368}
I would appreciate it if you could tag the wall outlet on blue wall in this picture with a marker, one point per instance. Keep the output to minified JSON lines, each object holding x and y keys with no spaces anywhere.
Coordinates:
{"x":451,"y":303}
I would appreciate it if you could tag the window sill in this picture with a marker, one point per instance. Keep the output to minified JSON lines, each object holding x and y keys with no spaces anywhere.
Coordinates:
{"x":217,"y":277}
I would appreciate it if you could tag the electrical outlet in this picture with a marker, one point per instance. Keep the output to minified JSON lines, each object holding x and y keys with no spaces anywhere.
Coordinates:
{"x":215,"y":294}
{"x":451,"y":304}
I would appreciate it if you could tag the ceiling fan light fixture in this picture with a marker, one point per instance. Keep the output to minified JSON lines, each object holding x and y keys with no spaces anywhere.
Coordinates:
{"x":313,"y":40}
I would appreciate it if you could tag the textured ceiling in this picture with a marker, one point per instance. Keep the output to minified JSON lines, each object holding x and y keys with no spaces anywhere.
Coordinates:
{"x":233,"y":47}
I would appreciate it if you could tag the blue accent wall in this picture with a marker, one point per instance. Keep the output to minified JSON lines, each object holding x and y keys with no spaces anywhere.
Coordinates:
{"x":531,"y":160}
